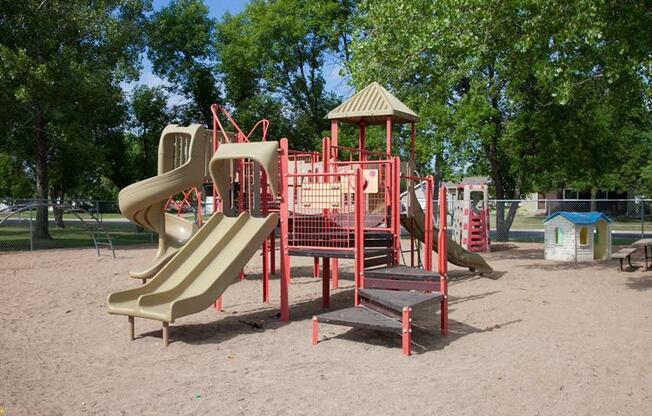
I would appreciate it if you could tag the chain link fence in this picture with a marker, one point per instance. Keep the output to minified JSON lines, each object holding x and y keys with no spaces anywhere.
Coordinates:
{"x":71,"y":223}
{"x":632,"y":218}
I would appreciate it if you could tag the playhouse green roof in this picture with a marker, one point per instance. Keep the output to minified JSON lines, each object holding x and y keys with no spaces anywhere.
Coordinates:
{"x":373,"y":104}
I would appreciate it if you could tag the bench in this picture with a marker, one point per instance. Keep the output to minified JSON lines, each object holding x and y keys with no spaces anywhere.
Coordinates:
{"x":624,"y":253}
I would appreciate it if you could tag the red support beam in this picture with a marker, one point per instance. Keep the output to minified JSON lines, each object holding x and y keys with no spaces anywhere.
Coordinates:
{"x":443,"y":260}
{"x":325,"y":287}
{"x":359,"y":235}
{"x":395,"y":196}
{"x":388,"y":137}
{"x":407,"y":331}
{"x":429,"y":231}
{"x":285,"y":257}
{"x":315,"y":267}
{"x":361,"y":141}
{"x":315,"y":330}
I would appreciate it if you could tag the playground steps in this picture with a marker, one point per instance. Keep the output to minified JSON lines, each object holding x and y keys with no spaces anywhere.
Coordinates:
{"x":380,"y":310}
{"x":339,"y":254}
{"x":401,"y":278}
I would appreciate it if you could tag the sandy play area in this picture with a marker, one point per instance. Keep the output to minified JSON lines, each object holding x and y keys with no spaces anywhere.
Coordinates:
{"x":540,"y":338}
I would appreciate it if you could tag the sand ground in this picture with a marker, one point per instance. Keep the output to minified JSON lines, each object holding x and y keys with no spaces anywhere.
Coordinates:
{"x":539,"y":338}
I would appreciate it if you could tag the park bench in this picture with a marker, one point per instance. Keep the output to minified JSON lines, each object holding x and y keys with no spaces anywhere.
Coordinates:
{"x":624,"y":253}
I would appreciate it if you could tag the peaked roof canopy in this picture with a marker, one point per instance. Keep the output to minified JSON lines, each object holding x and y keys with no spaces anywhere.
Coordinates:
{"x":580,"y":218}
{"x":373,"y":104}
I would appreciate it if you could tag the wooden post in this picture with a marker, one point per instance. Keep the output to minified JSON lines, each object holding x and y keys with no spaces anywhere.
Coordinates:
{"x":131,"y":328}
{"x":166,"y":334}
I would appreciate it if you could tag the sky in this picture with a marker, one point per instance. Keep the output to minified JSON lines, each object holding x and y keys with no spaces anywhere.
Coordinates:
{"x":217,"y":8}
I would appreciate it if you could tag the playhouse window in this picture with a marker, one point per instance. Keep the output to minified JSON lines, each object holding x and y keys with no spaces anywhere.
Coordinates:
{"x":559,"y":236}
{"x":584,"y":236}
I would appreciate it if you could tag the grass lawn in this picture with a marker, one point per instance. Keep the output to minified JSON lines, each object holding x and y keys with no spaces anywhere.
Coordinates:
{"x":16,"y":237}
{"x":536,"y":223}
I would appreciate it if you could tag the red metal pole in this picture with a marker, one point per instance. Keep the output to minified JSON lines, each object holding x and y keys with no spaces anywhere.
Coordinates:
{"x":443,"y":260}
{"x":272,"y":252}
{"x":407,"y":331}
{"x":199,"y":207}
{"x":395,"y":196}
{"x":361,"y":141}
{"x":285,"y":257}
{"x":315,"y":330}
{"x":265,"y":210}
{"x":325,"y":287}
{"x":429,"y":224}
{"x":334,"y":137}
{"x":359,"y":235}
{"x":388,"y":137}
{"x":315,"y":267}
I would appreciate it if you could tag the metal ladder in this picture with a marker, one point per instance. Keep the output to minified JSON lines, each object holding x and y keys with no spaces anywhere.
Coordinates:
{"x":100,"y":240}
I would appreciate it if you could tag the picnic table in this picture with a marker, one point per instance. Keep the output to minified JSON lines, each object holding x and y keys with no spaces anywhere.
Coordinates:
{"x":646,"y":243}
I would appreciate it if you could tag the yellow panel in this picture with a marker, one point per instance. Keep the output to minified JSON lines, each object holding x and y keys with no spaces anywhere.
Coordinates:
{"x":321,"y":195}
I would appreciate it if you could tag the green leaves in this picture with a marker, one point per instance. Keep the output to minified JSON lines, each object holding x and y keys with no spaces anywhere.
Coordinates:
{"x":538,"y":94}
{"x":180,"y":46}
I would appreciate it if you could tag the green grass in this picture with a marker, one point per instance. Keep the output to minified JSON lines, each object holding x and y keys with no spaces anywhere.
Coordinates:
{"x":536,"y":223}
{"x":16,"y":237}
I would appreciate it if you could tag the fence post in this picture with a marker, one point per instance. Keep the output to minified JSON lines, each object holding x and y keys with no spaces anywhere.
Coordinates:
{"x":31,"y":231}
{"x":642,"y":218}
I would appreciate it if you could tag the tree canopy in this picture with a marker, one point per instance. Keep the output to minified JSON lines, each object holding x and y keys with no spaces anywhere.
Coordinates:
{"x":535,"y":94}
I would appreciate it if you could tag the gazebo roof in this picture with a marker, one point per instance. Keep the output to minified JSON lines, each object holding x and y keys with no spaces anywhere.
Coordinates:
{"x":373,"y":105}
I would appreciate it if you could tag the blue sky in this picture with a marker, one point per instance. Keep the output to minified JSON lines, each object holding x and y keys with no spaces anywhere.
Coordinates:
{"x":217,"y":8}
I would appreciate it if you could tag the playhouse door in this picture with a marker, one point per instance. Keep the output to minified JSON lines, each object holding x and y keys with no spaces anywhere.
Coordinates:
{"x":600,"y":241}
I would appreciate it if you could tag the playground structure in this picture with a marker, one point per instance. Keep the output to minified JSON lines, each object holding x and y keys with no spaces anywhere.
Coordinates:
{"x":327,"y":208}
{"x":471,"y":216}
{"x":577,"y":236}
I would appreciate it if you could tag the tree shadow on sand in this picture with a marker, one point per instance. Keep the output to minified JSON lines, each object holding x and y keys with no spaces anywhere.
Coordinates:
{"x":427,"y":336}
{"x":424,"y":338}
{"x":230,"y":325}
{"x":641,"y":284}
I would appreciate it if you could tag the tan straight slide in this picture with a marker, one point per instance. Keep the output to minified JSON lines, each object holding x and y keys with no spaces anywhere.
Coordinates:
{"x":200,"y":272}
{"x":456,"y":254}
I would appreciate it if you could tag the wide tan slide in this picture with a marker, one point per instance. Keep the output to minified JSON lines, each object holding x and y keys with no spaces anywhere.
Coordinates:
{"x":456,"y":253}
{"x":181,"y":165}
{"x":211,"y":260}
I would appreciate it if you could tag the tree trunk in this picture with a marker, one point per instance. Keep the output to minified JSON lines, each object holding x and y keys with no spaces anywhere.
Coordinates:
{"x":41,"y":230}
{"x":594,"y":194}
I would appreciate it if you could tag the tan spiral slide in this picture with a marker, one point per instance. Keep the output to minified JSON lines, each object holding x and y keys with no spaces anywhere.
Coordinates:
{"x":212,"y":258}
{"x":181,"y":165}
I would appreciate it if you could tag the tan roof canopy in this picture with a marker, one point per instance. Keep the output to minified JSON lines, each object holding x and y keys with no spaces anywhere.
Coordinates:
{"x":373,"y":104}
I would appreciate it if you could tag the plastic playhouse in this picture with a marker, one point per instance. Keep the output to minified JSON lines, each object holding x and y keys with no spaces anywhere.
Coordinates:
{"x":470,"y":202}
{"x":577,"y":236}
{"x":339,"y":203}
